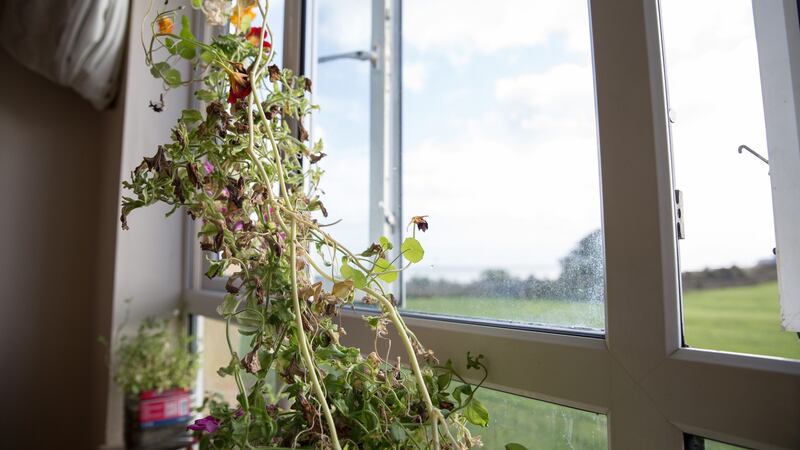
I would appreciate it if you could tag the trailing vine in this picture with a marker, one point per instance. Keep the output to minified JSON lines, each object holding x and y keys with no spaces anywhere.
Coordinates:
{"x":245,"y":171}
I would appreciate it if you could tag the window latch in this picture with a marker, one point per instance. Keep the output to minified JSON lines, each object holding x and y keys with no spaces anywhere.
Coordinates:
{"x":360,"y":55}
{"x":679,"y":214}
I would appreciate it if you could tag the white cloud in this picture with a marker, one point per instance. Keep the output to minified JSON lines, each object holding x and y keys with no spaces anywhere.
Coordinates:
{"x":460,"y":28}
{"x":414,"y":76}
{"x":558,"y":101}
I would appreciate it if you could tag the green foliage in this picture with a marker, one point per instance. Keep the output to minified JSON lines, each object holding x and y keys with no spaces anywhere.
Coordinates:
{"x":245,"y":169}
{"x":412,"y":250}
{"x":157,"y":357}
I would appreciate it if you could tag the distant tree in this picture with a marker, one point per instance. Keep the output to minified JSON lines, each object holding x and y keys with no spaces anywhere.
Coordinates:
{"x":582,"y":270}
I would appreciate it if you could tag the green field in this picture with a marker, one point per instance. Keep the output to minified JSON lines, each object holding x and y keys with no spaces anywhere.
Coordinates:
{"x":740,"y":319}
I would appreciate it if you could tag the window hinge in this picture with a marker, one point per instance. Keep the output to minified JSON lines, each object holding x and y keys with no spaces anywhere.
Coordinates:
{"x":679,"y":226}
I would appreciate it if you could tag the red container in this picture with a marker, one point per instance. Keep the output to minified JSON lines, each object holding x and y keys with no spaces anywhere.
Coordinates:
{"x":157,"y":420}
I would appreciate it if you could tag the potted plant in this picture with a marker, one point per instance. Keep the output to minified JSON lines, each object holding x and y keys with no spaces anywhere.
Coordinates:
{"x":155,"y":368}
{"x":244,"y":169}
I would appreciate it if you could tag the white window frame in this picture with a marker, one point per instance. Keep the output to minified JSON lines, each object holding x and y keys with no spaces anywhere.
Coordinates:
{"x":777,"y":28}
{"x":651,"y":387}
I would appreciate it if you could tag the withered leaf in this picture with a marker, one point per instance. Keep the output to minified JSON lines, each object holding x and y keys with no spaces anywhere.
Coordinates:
{"x":342,"y":289}
{"x":231,"y":287}
{"x":315,"y":157}
{"x":178,"y":188}
{"x":374,"y":249}
{"x":274,"y":73}
{"x":302,"y":132}
{"x":307,"y":84}
{"x":124,"y":219}
{"x":194,"y":177}
{"x":250,"y":362}
{"x":159,"y":161}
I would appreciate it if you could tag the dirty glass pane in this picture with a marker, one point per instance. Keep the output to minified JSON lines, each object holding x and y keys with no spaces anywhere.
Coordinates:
{"x":500,"y":151}
{"x":539,"y":425}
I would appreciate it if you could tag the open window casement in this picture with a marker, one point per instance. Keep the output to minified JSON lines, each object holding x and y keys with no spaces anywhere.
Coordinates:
{"x":778,"y":38}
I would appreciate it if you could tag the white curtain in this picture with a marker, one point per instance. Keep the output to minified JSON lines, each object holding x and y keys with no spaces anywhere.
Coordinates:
{"x":76,"y":43}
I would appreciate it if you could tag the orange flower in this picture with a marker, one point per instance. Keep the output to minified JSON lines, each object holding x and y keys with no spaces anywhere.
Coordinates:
{"x":242,"y":17}
{"x":165,"y":25}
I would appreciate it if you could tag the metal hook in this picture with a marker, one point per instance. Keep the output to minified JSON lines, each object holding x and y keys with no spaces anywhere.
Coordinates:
{"x":755,"y":153}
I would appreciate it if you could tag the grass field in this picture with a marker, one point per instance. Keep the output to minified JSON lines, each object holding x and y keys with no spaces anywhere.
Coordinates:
{"x":740,"y":319}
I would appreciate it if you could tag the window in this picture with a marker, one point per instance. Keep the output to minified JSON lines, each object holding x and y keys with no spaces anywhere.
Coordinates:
{"x":635,"y":380}
{"x":730,"y":281}
{"x":498,"y":103}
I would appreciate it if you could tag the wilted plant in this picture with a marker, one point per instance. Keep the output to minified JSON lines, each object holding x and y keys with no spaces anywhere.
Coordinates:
{"x":246,"y":172}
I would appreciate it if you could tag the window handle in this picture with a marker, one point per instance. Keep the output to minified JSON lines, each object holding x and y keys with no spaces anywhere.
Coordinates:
{"x":755,"y":153}
{"x":361,"y":55}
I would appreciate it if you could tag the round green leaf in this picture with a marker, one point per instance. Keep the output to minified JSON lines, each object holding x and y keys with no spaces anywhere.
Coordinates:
{"x":515,"y":446}
{"x":412,"y":250}
{"x":385,"y":270}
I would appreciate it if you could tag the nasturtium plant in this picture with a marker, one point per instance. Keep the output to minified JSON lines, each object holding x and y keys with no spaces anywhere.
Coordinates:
{"x":243,"y":167}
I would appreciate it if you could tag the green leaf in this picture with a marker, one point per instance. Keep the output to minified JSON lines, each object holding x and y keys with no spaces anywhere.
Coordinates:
{"x":189,"y":116}
{"x":205,"y":95}
{"x":385,"y":270}
{"x":172,"y":77}
{"x":186,"y":49}
{"x":358,"y":277}
{"x":206,"y":56}
{"x":443,"y":380}
{"x":412,"y":250}
{"x":398,"y":432}
{"x":463,"y":389}
{"x":386,"y":243}
{"x":515,"y":446}
{"x":476,"y":413}
{"x":186,"y":29}
{"x":228,"y":306}
{"x":159,"y":69}
{"x":170,"y":44}
{"x":197,"y":4}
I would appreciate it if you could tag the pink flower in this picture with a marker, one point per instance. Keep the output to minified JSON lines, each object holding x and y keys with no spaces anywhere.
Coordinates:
{"x":225,"y":193}
{"x":208,"y":167}
{"x":238,"y":226}
{"x":208,"y":424}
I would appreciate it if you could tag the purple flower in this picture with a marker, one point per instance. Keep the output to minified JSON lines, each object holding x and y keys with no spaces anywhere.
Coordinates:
{"x":238,"y":413}
{"x":238,"y":226}
{"x":208,"y":167}
{"x":225,"y":193}
{"x":209,"y":424}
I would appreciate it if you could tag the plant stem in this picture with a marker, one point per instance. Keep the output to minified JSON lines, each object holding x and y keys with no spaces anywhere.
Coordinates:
{"x":302,"y":340}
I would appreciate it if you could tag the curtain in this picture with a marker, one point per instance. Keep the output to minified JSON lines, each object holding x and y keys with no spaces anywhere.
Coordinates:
{"x":75,"y":43}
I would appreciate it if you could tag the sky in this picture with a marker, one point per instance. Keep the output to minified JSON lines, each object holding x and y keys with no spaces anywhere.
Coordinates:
{"x":499,"y":131}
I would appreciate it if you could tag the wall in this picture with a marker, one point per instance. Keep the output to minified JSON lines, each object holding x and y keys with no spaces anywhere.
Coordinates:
{"x":67,"y":268}
{"x":53,"y":157}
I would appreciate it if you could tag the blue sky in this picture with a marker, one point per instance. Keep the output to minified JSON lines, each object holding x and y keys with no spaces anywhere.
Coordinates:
{"x":499,"y":137}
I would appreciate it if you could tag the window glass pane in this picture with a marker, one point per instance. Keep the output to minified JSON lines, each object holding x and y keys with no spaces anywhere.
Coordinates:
{"x":539,"y":425}
{"x":342,"y":91}
{"x":215,"y":355}
{"x":500,"y":150}
{"x":730,"y":293}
